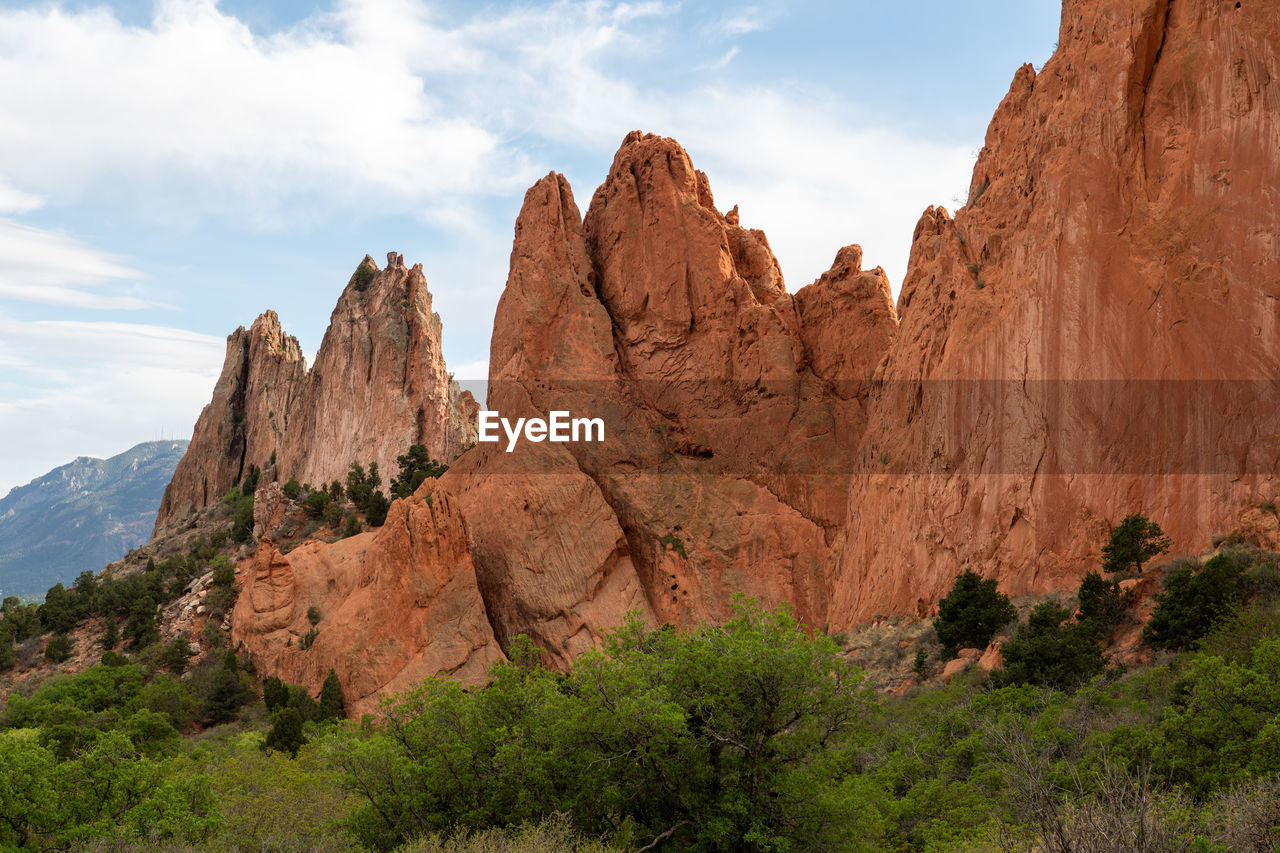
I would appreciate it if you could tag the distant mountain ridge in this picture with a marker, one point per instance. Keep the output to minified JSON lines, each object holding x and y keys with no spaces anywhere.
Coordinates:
{"x":82,"y":515}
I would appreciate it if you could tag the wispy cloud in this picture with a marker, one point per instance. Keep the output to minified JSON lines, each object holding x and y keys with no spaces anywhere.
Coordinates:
{"x":43,"y":266}
{"x":98,"y":388}
{"x":723,"y":61}
{"x":751,"y":19}
{"x":14,"y":200}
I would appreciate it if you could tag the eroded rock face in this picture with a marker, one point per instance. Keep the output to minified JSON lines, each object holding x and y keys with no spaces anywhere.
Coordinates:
{"x":263,"y":376}
{"x":379,"y":385}
{"x":395,"y":606}
{"x":728,"y":430}
{"x":1078,"y":342}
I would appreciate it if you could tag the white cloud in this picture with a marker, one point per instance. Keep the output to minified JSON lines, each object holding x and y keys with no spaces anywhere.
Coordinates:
{"x":385,"y":105}
{"x":14,"y":200}
{"x":43,"y":266}
{"x":76,"y":388}
{"x":751,"y":19}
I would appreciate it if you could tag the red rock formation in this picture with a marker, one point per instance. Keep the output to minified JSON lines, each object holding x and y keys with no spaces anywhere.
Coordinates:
{"x":1094,"y":334}
{"x":1112,"y":286}
{"x":262,"y":377}
{"x":726,"y":459}
{"x":396,"y":605}
{"x":379,"y":385}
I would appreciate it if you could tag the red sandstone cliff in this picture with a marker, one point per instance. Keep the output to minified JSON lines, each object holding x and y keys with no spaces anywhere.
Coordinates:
{"x":1095,"y":333}
{"x":1112,"y":284}
{"x":379,"y":384}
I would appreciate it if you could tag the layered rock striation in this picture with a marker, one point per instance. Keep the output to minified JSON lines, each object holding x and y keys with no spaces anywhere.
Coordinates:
{"x":379,"y":384}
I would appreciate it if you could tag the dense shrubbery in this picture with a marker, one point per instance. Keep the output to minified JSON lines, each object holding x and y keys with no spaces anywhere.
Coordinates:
{"x":971,"y":614}
{"x":709,"y":740}
{"x":1194,"y":600}
{"x":750,"y":736}
{"x":1052,"y":650}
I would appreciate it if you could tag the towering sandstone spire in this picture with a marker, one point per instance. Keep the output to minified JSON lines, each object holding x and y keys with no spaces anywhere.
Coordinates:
{"x":379,"y":384}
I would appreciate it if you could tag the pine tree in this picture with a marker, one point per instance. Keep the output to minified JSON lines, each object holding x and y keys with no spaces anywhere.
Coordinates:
{"x":332,"y":705}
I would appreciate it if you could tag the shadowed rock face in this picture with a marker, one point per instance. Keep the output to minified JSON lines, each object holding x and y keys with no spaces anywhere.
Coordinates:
{"x":379,"y":385}
{"x":1094,"y":334}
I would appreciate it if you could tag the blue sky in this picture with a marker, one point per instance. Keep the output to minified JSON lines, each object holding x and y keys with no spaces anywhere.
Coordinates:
{"x":169,"y":170}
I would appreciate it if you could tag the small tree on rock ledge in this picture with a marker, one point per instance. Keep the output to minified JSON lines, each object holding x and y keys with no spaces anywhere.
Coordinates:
{"x":1133,"y":541}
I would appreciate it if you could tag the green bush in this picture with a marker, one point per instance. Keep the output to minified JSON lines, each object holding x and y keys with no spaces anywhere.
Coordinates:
{"x":316,"y":503}
{"x":1194,"y":601}
{"x":224,"y":573}
{"x":416,"y":467}
{"x":363,"y":276}
{"x":711,"y":740}
{"x":1133,"y":541}
{"x":59,"y":648}
{"x":1050,"y":650}
{"x":352,"y":527}
{"x":242,"y":525}
{"x":1102,"y":601}
{"x":292,"y":489}
{"x":971,"y":614}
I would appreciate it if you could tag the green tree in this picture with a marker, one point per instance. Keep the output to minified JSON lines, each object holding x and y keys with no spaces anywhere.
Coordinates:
{"x":8,"y":655}
{"x":286,"y":732}
{"x":250,"y":484}
{"x":59,"y":648}
{"x":971,"y":614}
{"x":1194,"y":601}
{"x":375,"y":509}
{"x":227,"y":693}
{"x":416,"y":466}
{"x":1102,"y":601}
{"x":316,"y":503}
{"x":275,"y":694}
{"x":176,"y":654}
{"x":332,"y":705}
{"x":142,"y":629}
{"x":1051,"y":650}
{"x":711,"y":740}
{"x":242,"y":523}
{"x":292,"y":489}
{"x":110,"y":633}
{"x":1134,"y":540}
{"x":60,"y":611}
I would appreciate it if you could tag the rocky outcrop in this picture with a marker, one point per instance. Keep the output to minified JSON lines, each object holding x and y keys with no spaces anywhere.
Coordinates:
{"x":379,"y":385}
{"x":262,"y":377}
{"x":392,"y":607}
{"x":1095,"y":332}
{"x":729,"y":429}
